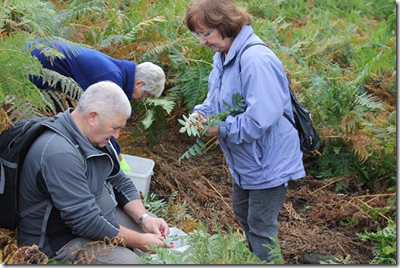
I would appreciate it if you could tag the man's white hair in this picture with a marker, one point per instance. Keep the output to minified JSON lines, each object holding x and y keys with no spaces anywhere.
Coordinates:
{"x":153,"y":77}
{"x":106,"y":98}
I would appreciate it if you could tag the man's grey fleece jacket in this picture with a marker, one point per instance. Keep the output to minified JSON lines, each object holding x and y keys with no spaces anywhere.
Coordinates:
{"x":83,"y":183}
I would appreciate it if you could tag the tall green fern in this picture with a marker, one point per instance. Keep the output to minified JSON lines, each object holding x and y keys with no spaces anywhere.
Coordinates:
{"x":192,"y":85}
{"x":23,"y":22}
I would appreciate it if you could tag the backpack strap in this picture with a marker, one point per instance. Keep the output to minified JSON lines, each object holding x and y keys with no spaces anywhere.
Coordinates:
{"x":45,"y":218}
{"x":44,"y":223}
{"x":249,"y":45}
{"x":33,"y":208}
{"x":240,"y":70}
{"x":9,"y":164}
{"x":290,"y":120}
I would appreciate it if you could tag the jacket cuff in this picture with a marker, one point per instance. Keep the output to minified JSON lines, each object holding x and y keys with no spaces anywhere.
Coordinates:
{"x":111,"y":232}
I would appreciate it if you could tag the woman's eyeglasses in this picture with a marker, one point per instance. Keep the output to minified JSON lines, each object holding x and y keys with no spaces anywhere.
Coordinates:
{"x":203,"y":35}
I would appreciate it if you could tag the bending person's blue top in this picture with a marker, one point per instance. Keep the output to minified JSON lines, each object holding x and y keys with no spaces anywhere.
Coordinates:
{"x":86,"y":66}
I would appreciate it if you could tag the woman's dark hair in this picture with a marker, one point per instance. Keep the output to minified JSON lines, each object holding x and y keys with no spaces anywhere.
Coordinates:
{"x":224,"y":15}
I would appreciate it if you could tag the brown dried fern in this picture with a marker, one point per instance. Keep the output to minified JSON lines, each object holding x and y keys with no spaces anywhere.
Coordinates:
{"x":88,"y":253}
{"x":28,"y":255}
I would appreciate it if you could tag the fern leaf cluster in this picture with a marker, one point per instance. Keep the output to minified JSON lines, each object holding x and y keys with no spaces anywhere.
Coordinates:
{"x":207,"y":248}
{"x":199,"y":127}
{"x":23,"y":22}
{"x":17,"y":64}
{"x":385,"y":251}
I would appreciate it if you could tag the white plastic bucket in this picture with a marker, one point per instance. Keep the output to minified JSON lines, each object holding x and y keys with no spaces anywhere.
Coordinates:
{"x":141,"y":171}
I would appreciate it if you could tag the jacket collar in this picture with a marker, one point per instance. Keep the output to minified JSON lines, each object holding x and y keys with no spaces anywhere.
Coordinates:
{"x":237,"y":44}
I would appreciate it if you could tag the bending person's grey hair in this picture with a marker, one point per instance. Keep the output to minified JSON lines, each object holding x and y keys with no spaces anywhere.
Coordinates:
{"x":153,"y":76}
{"x":107,"y":98}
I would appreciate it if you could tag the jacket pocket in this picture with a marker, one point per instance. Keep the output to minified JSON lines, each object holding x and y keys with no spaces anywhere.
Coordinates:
{"x":245,"y":156}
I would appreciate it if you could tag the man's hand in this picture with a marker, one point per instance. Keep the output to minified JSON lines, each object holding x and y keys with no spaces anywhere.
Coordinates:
{"x":151,"y":240}
{"x":141,"y":241}
{"x":155,"y":226}
{"x":135,"y":209}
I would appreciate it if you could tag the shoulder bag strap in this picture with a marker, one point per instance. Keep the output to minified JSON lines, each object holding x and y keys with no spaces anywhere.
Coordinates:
{"x":240,"y":70}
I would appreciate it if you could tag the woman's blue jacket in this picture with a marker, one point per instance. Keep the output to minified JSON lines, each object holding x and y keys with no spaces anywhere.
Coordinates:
{"x":261,"y":147}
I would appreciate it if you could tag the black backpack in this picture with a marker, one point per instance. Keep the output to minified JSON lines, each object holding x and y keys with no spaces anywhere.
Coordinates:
{"x":309,"y":138}
{"x":14,"y":145}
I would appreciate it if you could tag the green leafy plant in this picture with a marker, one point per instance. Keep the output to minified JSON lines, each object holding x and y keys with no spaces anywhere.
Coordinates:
{"x":206,"y":248}
{"x":173,"y":211}
{"x":275,"y":253}
{"x":198,"y":127}
{"x":154,"y":204}
{"x":385,"y":250}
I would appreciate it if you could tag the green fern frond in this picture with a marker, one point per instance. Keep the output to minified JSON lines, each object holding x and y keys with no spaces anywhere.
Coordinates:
{"x":48,"y":51}
{"x":25,"y":21}
{"x":80,"y":8}
{"x":148,"y":119}
{"x":385,"y":248}
{"x":111,"y":39}
{"x":154,"y":49}
{"x":68,"y":85}
{"x":275,"y":253}
{"x":192,"y":85}
{"x":369,"y":101}
{"x":368,"y":68}
{"x":141,"y":25}
{"x":165,"y":103}
{"x":326,"y":44}
{"x":52,"y":52}
{"x":16,"y":65}
{"x":36,"y":16}
{"x":19,"y":109}
{"x":58,"y":100}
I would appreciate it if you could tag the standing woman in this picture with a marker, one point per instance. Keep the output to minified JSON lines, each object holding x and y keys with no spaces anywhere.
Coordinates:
{"x":261,"y":147}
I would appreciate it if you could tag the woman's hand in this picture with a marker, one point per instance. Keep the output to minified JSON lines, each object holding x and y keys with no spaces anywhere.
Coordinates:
{"x":197,"y":115}
{"x":212,"y":131}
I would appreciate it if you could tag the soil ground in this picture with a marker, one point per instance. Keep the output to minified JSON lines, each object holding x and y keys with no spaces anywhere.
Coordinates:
{"x":315,"y":219}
